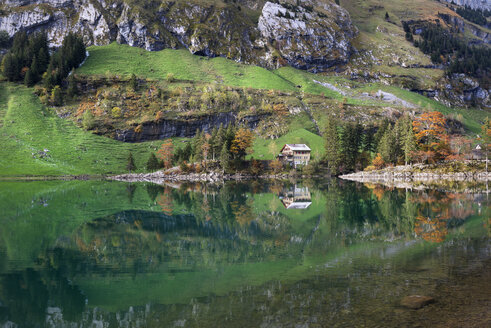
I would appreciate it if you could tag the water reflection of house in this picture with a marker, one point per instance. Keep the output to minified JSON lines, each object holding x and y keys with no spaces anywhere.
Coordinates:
{"x":296,"y":198}
{"x":295,"y":154}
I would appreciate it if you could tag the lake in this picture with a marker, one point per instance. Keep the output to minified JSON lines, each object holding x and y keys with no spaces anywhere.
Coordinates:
{"x":312,"y":253}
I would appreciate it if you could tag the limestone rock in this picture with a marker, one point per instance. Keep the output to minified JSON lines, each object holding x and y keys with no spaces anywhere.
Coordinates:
{"x":306,"y":38}
{"x":314,"y":36}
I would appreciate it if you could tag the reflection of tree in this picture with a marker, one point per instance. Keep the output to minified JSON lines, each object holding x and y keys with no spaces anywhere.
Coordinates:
{"x":165,"y":201}
{"x":130,"y":189}
{"x":153,"y":191}
{"x":243,"y":212}
{"x":433,"y":230}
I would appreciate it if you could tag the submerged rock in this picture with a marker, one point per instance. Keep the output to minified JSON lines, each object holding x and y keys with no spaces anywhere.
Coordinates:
{"x":416,"y":301}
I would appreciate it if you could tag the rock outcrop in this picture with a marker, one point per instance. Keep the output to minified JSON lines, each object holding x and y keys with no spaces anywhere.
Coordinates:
{"x":185,"y":127}
{"x":313,"y":36}
{"x":306,"y":38}
{"x":475,"y":4}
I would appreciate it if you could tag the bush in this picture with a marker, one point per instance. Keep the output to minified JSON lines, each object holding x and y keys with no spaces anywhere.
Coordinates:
{"x":116,"y":112}
{"x":309,"y":169}
{"x":170,"y":78}
{"x":57,"y":96}
{"x":88,"y":120}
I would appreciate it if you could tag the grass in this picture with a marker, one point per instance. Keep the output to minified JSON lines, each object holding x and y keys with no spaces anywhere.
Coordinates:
{"x":268,"y":149}
{"x":472,"y":118}
{"x":124,"y":60}
{"x":28,"y":128}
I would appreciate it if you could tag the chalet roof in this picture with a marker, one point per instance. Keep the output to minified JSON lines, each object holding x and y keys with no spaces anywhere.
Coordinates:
{"x":298,"y":147}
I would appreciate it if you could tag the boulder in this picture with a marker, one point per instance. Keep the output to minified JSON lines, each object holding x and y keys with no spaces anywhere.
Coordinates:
{"x":416,"y":301}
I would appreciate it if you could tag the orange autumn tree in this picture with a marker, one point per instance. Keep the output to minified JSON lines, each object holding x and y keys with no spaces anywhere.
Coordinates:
{"x":378,"y":162}
{"x":242,"y":142}
{"x":166,"y":153}
{"x":431,"y":133}
{"x":430,"y":127}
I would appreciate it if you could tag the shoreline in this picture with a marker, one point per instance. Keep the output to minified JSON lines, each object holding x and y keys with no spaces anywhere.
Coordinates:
{"x":423,"y":177}
{"x":160,"y":177}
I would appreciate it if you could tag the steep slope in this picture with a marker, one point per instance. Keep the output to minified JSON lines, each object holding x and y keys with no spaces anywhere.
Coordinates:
{"x":313,"y":35}
{"x":475,"y":4}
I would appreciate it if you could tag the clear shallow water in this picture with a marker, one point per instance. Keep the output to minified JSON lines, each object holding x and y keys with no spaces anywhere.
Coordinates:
{"x":255,"y":254}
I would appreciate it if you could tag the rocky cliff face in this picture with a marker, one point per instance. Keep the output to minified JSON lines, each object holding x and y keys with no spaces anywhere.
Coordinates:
{"x":312,"y":36}
{"x":163,"y":129}
{"x":476,"y":4}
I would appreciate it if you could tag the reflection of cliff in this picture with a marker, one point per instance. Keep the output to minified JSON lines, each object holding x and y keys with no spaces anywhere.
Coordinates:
{"x":296,"y":198}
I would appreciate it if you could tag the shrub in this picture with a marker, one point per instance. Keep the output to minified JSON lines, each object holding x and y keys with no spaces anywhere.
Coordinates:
{"x":88,"y":120}
{"x":170,"y":78}
{"x":116,"y":112}
{"x":57,"y":96}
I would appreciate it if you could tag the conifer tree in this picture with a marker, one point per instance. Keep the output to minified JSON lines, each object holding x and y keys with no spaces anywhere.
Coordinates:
{"x":153,"y":163}
{"x":388,"y":146}
{"x":380,"y":132}
{"x":130,"y":164}
{"x":10,"y":67}
{"x":410,"y":146}
{"x":350,"y":144}
{"x":225,"y":158}
{"x":29,"y":79}
{"x":198,"y":142}
{"x":133,"y":83}
{"x":187,"y":152}
{"x":369,"y":139}
{"x":72,"y":90}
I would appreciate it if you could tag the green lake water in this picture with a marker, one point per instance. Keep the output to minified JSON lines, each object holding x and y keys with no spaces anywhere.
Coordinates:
{"x":323,"y":253}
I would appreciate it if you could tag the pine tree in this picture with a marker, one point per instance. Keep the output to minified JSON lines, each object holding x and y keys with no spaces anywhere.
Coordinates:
{"x":350,"y":144}
{"x":10,"y":67}
{"x":72,"y":90}
{"x":187,"y":152}
{"x":29,"y":80}
{"x":35,"y":69}
{"x":380,"y":132}
{"x":230,"y":135}
{"x":332,"y":146}
{"x":410,"y":146}
{"x":388,"y":146}
{"x":225,"y":158}
{"x":198,"y":142}
{"x":130,"y":165}
{"x":43,"y":60}
{"x":214,"y":147}
{"x":133,"y":83}
{"x":153,"y":163}
{"x":369,"y":139}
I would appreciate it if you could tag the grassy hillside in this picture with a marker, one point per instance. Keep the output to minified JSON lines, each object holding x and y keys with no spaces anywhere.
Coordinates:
{"x":124,"y":60}
{"x":27,"y":128}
